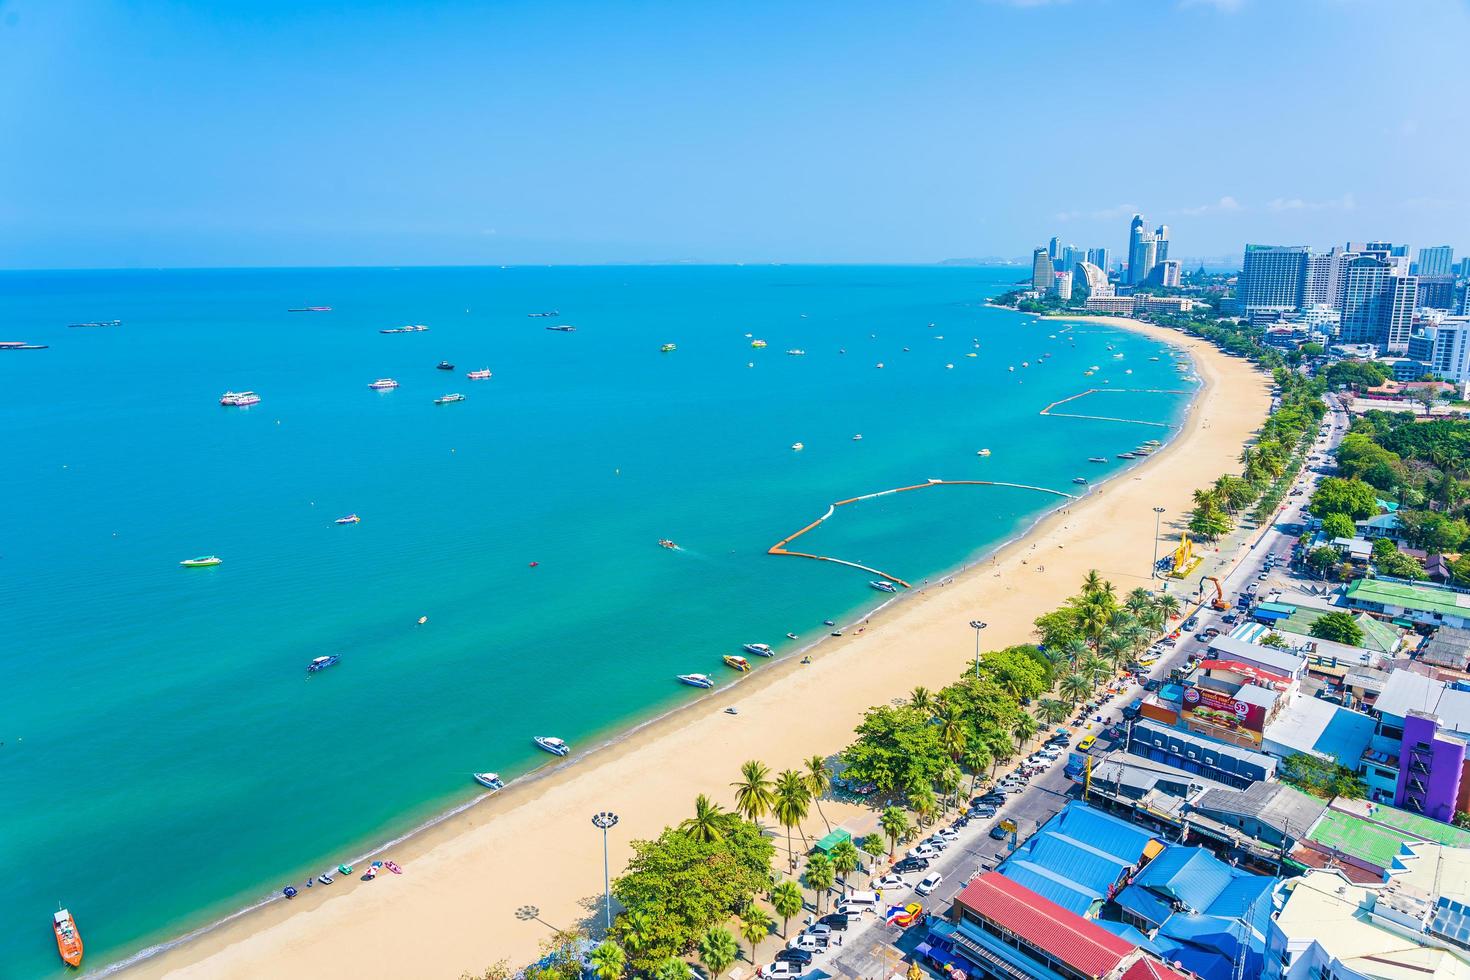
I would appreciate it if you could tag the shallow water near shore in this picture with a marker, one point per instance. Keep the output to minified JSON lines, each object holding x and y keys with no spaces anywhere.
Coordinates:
{"x":166,"y":759}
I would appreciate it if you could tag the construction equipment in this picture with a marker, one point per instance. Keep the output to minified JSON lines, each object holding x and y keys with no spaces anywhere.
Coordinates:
{"x":1219,"y":601}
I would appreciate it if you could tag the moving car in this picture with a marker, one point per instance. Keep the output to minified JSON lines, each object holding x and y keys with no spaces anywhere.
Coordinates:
{"x":1086,"y":743}
{"x":890,"y":882}
{"x":910,"y":864}
{"x":996,"y":833}
{"x":930,"y":883}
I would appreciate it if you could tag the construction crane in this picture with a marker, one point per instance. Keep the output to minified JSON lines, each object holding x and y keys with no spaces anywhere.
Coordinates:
{"x":1219,"y":601}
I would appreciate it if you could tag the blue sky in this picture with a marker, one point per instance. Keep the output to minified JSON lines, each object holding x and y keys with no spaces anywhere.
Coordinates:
{"x":154,"y":133}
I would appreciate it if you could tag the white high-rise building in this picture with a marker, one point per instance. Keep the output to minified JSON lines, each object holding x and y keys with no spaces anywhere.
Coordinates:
{"x":1054,"y":250}
{"x":1324,"y":277}
{"x":1272,"y":279}
{"x":1062,"y":285}
{"x":1377,"y":302}
{"x":1445,"y":347}
{"x":1041,"y":271}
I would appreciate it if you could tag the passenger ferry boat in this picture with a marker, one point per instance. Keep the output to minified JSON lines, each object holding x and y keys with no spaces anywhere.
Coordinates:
{"x":758,"y":344}
{"x":489,"y":780}
{"x":882,"y":586}
{"x":759,"y":649}
{"x":481,"y":375}
{"x":796,"y":352}
{"x":68,"y":940}
{"x":384,"y":384}
{"x":322,"y":663}
{"x":446,"y":399}
{"x":696,"y":680}
{"x":204,"y":561}
{"x":739,"y":663}
{"x":349,"y":519}
{"x":669,"y":348}
{"x":239,"y":399}
{"x":553,"y":745}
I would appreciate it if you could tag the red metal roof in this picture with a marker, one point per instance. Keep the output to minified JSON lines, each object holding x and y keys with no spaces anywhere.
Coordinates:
{"x":1082,"y":945}
{"x":1147,"y":969}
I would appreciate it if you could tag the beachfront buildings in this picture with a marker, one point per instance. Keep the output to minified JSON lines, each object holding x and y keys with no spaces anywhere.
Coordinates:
{"x":1145,"y":249}
{"x":1041,"y":270}
{"x":1272,"y":280}
{"x":1090,"y":280}
{"x":1102,"y":258}
{"x":1443,"y":347}
{"x":1377,"y":301}
{"x":1436,"y":260}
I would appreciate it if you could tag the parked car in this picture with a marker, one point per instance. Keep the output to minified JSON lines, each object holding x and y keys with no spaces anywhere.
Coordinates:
{"x":889,"y":882}
{"x":1191,"y":623}
{"x":779,"y":970}
{"x":997,"y":834}
{"x":911,"y":864}
{"x":949,"y":834}
{"x":822,"y":933}
{"x":836,"y":920}
{"x":925,"y":851}
{"x":982,"y":810}
{"x":798,"y":956}
{"x":929,"y":883}
{"x":1086,"y":743}
{"x":806,"y":943}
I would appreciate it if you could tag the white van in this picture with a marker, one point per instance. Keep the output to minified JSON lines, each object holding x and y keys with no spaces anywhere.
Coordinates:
{"x":858,"y":902}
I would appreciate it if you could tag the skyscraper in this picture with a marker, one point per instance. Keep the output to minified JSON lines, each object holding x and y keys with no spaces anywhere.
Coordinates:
{"x":1324,"y":277}
{"x":1138,"y":258}
{"x":1071,"y":255}
{"x":1041,"y":271}
{"x":1062,"y":285}
{"x":1168,"y":272}
{"x":1161,"y":243}
{"x":1437,"y":260}
{"x":1054,"y":251}
{"x":1377,"y":301}
{"x":1100,"y":257}
{"x":1272,"y":279}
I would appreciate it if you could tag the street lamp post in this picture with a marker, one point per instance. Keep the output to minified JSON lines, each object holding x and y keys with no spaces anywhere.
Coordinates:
{"x":1153,"y":570}
{"x":977,"y":626}
{"x":603,"y":821}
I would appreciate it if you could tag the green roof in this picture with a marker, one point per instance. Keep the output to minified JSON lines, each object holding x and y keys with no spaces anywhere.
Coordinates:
{"x":1279,"y":607}
{"x":1418,"y":598}
{"x":1377,"y":636}
{"x":1378,"y":840}
{"x":832,"y":840}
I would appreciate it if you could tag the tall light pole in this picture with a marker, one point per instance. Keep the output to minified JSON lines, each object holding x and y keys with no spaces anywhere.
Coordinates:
{"x":977,"y":626}
{"x":603,"y":821}
{"x":1153,"y":570}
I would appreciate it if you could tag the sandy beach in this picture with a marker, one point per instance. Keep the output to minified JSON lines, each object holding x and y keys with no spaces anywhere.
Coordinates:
{"x":455,"y":908}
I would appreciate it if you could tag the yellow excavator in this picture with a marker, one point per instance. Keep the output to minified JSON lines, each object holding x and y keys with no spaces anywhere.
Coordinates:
{"x":1219,"y":601}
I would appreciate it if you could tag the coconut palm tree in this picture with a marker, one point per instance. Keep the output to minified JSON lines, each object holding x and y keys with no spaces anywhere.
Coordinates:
{"x":948,"y":781}
{"x":977,"y":760}
{"x":924,"y":805}
{"x":818,"y":779}
{"x":954,"y":729}
{"x":755,"y":925}
{"x":672,"y":968}
{"x":753,"y":795}
{"x":1093,"y":583}
{"x":1025,"y":730}
{"x":920,"y":698}
{"x":1076,"y":687}
{"x":1116,"y":648}
{"x":1094,"y":618}
{"x":1138,"y":600}
{"x":1050,"y":711}
{"x":790,"y":806}
{"x":1074,"y":649}
{"x":718,"y":950}
{"x":608,"y":961}
{"x":635,"y":926}
{"x":787,"y":901}
{"x":820,"y":875}
{"x":844,"y":860}
{"x":895,"y":824}
{"x":1168,"y":604}
{"x":1095,"y":667}
{"x":1153,"y":620}
{"x":709,"y":823}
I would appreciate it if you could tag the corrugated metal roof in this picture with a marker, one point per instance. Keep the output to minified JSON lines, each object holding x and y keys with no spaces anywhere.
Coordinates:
{"x":1069,"y":894}
{"x":1145,"y":904}
{"x":1069,"y":938}
{"x":1147,"y":969}
{"x":1092,"y":867}
{"x":1192,"y":875}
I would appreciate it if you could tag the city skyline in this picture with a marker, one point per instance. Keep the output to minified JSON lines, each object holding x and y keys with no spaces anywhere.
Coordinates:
{"x":455,"y":134}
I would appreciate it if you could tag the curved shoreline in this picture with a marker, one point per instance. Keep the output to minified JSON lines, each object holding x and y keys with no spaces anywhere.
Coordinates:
{"x":467,"y":870}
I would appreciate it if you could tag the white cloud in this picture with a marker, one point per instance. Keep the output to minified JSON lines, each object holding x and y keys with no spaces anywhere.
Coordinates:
{"x":1103,"y":214}
{"x":1226,"y":203}
{"x":1344,"y":203}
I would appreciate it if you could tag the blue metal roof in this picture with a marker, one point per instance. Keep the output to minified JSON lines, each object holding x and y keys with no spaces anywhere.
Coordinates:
{"x":1100,"y":830}
{"x":1191,"y":874}
{"x":1145,"y":904}
{"x":1070,"y":895}
{"x":1078,"y":861}
{"x":1346,"y":735}
{"x":1131,"y":934}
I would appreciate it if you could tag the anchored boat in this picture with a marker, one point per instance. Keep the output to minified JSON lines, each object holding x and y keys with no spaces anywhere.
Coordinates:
{"x":882,"y":586}
{"x":738,"y":663}
{"x":490,"y":780}
{"x":239,"y":399}
{"x":322,"y":663}
{"x":203,"y":561}
{"x":68,"y":939}
{"x":759,"y":649}
{"x":447,"y":399}
{"x":696,"y":680}
{"x":553,"y":745}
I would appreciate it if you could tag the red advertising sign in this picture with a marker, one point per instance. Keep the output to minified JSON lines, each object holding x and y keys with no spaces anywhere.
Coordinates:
{"x":1223,"y":711}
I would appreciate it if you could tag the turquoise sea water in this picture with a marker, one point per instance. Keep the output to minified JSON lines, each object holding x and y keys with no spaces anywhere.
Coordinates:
{"x":165,"y":758}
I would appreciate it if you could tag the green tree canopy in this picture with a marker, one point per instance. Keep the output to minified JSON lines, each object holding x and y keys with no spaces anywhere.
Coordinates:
{"x":1339,"y":627}
{"x":1354,"y":498}
{"x":1338,"y":526}
{"x":1320,"y":777}
{"x":1357,"y":374}
{"x":1017,"y":669}
{"x":896,"y":749}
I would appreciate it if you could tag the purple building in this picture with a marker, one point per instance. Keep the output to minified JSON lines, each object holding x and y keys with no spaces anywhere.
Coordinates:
{"x":1430,"y":768}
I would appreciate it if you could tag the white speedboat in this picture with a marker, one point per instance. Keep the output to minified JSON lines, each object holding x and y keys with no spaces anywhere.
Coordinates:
{"x":882,"y":586}
{"x":384,"y":384}
{"x":490,"y":780}
{"x":553,"y":745}
{"x":696,"y":680}
{"x":759,"y":649}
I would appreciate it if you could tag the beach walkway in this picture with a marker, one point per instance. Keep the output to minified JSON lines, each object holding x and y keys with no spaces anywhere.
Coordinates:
{"x":779,"y":548}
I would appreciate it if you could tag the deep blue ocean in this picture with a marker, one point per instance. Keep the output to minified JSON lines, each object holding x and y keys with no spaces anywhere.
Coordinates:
{"x":165,"y":759}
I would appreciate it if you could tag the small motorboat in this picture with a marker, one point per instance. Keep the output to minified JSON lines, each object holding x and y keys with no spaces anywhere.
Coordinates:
{"x":666,"y":543}
{"x":669,"y":348}
{"x":807,"y":659}
{"x":553,"y":745}
{"x":322,"y":663}
{"x":796,"y":352}
{"x":983,"y":452}
{"x":423,"y":620}
{"x":858,"y":437}
{"x":759,"y":649}
{"x":370,"y":874}
{"x":383,"y":384}
{"x":829,"y":622}
{"x":489,"y":780}
{"x":790,"y":636}
{"x":325,"y":879}
{"x":289,"y":891}
{"x":68,"y":940}
{"x":732,"y":710}
{"x":203,"y":561}
{"x":239,"y":399}
{"x":738,"y":663}
{"x":1097,"y":459}
{"x":882,"y":586}
{"x":797,"y":446}
{"x":563,"y":328}
{"x":696,"y":680}
{"x":444,"y":366}
{"x":349,"y":519}
{"x":1080,"y":479}
{"x":481,"y":375}
{"x":447,"y":399}
{"x":758,"y":344}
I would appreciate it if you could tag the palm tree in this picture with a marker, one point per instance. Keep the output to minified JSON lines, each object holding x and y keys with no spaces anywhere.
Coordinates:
{"x":787,"y":901}
{"x":755,"y":925}
{"x":672,"y":968}
{"x":872,"y":846}
{"x":718,"y":950}
{"x":977,"y":760}
{"x":920,"y":698}
{"x":844,"y":860}
{"x":1025,"y":730}
{"x":1095,"y":667}
{"x":1138,"y":600}
{"x":1051,"y":711}
{"x":1094,"y":618}
{"x":948,"y":781}
{"x":709,"y":823}
{"x":1116,"y":648}
{"x":1075,"y":649}
{"x":608,"y":961}
{"x":1093,"y":583}
{"x":818,"y":779}
{"x":1076,"y":687}
{"x":790,"y":806}
{"x":924,"y":805}
{"x":820,"y":875}
{"x":1168,"y":604}
{"x":1153,"y":620}
{"x":753,"y":797}
{"x":894,"y":823}
{"x":636,"y":927}
{"x":954,"y":729}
